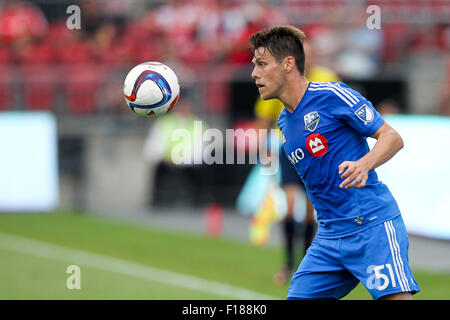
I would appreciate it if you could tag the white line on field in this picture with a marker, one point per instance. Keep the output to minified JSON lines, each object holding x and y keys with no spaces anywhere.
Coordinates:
{"x":81,"y":257}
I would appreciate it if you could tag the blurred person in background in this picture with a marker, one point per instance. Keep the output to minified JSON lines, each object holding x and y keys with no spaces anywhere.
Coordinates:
{"x":178,"y":22}
{"x":267,"y":113}
{"x":361,"y":51}
{"x":220,"y":27}
{"x":347,"y":45}
{"x":388,"y":106}
{"x":252,"y":16}
{"x":21,"y":25}
{"x":173,"y":182}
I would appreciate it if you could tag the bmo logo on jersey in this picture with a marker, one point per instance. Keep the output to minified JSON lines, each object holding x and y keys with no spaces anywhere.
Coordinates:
{"x":296,"y":156}
{"x":316,"y":144}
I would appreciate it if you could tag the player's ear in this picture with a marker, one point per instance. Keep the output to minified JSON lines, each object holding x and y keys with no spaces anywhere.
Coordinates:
{"x":288,"y":63}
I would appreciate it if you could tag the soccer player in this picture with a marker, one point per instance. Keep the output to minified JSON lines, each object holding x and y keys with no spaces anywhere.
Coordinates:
{"x":267,"y":113}
{"x":361,"y":235}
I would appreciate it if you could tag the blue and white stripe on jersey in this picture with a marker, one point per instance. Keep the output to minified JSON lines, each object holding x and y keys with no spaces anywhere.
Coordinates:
{"x":396,"y":256}
{"x":346,"y":96}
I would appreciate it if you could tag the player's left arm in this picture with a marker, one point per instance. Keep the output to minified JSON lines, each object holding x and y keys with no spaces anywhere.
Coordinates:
{"x":355,"y":173}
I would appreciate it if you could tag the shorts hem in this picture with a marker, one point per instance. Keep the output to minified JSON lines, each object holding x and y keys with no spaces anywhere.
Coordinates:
{"x":310,"y":297}
{"x":394,"y":291}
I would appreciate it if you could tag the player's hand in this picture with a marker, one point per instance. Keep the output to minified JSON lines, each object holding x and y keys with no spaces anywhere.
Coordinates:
{"x":355,"y":174}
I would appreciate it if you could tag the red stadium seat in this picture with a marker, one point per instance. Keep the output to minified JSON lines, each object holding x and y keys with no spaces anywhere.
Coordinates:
{"x":146,"y":51}
{"x":39,"y":54}
{"x":82,"y":86}
{"x":6,"y":85}
{"x":76,"y":53}
{"x":217,"y":96}
{"x":7,"y":77}
{"x":136,"y":30}
{"x":57,"y":32}
{"x":38,"y":78}
{"x":5,"y":56}
{"x":117,"y":54}
{"x":39,"y":87}
{"x":395,"y":41}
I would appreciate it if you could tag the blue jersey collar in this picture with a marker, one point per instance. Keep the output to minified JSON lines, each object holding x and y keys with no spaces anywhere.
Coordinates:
{"x":300,"y":103}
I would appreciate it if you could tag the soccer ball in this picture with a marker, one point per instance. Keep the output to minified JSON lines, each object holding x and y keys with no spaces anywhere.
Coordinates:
{"x":151,"y":89}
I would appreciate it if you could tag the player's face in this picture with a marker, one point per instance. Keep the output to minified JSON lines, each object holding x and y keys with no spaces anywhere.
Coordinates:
{"x":268,"y":74}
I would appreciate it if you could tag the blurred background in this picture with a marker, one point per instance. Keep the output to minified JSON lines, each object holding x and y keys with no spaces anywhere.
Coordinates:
{"x":71,"y":144}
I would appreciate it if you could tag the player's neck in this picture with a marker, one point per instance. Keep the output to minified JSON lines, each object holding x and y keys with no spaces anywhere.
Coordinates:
{"x":293,"y":93}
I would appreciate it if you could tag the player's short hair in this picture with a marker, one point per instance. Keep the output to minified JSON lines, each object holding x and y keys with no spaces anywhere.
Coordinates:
{"x":281,"y":41}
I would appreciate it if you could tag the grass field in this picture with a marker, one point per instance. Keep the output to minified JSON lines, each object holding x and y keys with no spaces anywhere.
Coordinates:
{"x":128,"y":261}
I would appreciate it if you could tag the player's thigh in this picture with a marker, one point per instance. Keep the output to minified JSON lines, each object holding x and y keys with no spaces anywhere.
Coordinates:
{"x":397,"y":296}
{"x":378,"y":257}
{"x":321,"y":274}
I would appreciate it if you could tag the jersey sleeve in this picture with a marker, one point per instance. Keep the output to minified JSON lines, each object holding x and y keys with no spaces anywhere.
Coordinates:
{"x":356,"y":111}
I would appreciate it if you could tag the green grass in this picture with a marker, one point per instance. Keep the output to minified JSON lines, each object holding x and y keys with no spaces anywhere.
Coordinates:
{"x":27,"y":276}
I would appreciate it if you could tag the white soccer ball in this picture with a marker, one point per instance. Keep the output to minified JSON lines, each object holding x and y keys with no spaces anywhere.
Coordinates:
{"x":151,"y":89}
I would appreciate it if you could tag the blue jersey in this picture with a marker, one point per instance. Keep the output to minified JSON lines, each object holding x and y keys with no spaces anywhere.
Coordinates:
{"x":329,"y":126}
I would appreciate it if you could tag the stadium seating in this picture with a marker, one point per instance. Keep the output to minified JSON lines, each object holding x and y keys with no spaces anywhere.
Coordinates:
{"x":82,"y":85}
{"x":67,"y":66}
{"x":38,"y":78}
{"x":40,"y":87}
{"x":7,"y":77}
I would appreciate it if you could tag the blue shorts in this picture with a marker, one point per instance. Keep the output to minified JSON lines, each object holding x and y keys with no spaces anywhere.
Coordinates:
{"x":378,"y":257}
{"x":288,"y":173}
